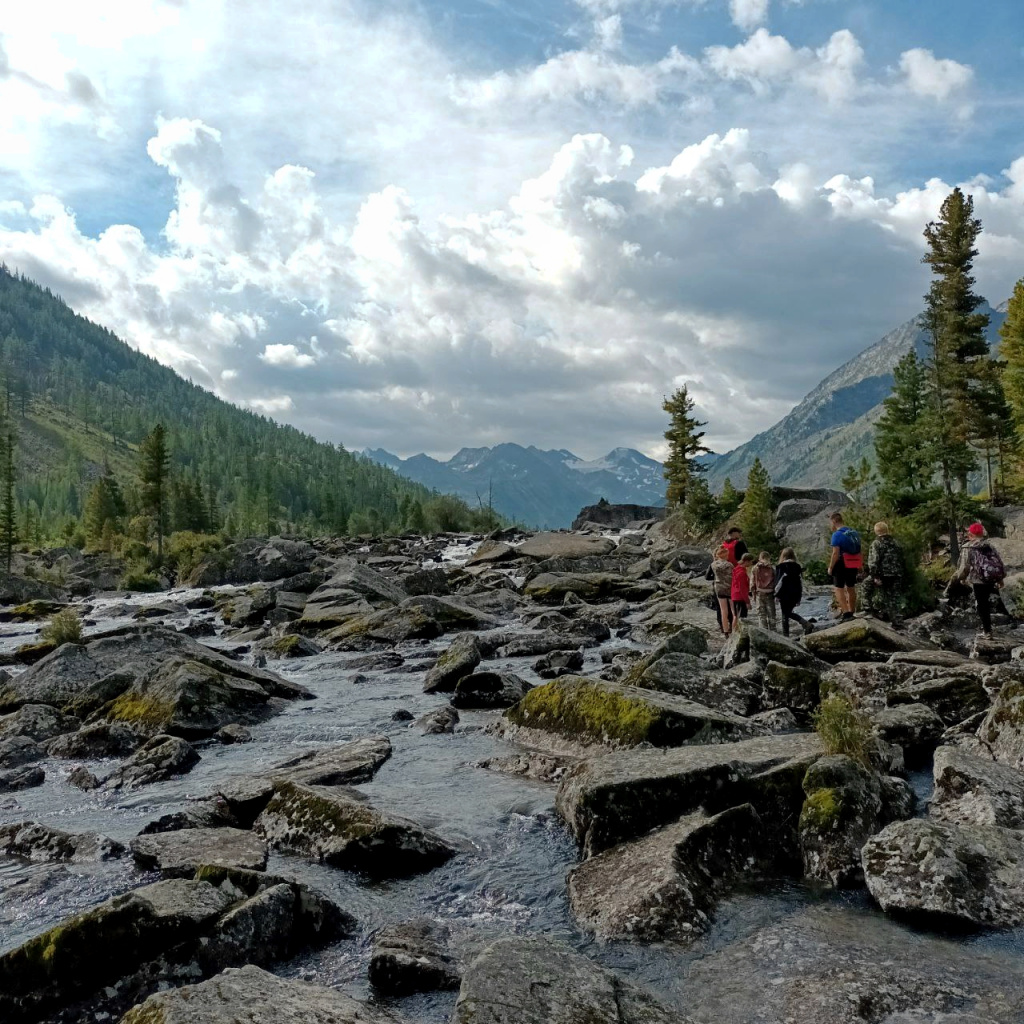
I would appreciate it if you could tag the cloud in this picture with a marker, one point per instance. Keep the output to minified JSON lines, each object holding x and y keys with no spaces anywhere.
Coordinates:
{"x":748,"y":14}
{"x":926,"y":75}
{"x":285,"y":355}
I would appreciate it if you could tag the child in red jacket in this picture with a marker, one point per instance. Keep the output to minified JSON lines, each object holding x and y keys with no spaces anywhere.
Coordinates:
{"x":741,"y":587}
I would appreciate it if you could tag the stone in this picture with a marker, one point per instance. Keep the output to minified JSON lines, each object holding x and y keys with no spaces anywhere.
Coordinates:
{"x":346,"y":764}
{"x":412,"y":957}
{"x":43,"y":843}
{"x":234,"y":733}
{"x":971,"y":790}
{"x":845,"y":804}
{"x":618,"y":516}
{"x":290,"y":646}
{"x":452,"y":612}
{"x":914,"y":727}
{"x":765,"y":646}
{"x":402,"y":715}
{"x":426,"y":581}
{"x":491,"y":552}
{"x":558,"y":663}
{"x":457,"y":662}
{"x":790,"y":686}
{"x":623,"y":795}
{"x":736,"y":691}
{"x":537,"y":981}
{"x":83,"y":779}
{"x":36,"y":721}
{"x":16,"y":751}
{"x":100,"y":739}
{"x":776,"y":721}
{"x":939,"y":872}
{"x":489,"y":690}
{"x":531,"y":644}
{"x":212,"y":813}
{"x":564,"y":545}
{"x":531,"y":765}
{"x":180,"y":854}
{"x":438,"y":722}
{"x":665,"y":886}
{"x":353,"y":590}
{"x":246,"y":796}
{"x":26,"y":777}
{"x":331,"y":825}
{"x":254,"y":560}
{"x":249,"y":608}
{"x":589,"y":711}
{"x":553,"y":587}
{"x":859,"y":640}
{"x":251,"y":994}
{"x":1002,"y":729}
{"x":156,"y":760}
{"x":953,"y":694}
{"x":386,"y":626}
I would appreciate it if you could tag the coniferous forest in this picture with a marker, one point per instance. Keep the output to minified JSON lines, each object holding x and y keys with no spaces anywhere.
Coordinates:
{"x":101,"y":444}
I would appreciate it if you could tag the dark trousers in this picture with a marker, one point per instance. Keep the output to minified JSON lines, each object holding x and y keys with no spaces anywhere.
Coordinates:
{"x":787,"y":614}
{"x":741,"y":608}
{"x":983,"y":598}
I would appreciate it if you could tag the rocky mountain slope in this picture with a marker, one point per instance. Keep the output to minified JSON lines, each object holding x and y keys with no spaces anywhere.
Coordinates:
{"x":834,"y":425}
{"x":535,"y":487}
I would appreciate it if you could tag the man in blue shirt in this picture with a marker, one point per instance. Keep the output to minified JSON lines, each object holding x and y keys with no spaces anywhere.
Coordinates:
{"x":845,"y":564}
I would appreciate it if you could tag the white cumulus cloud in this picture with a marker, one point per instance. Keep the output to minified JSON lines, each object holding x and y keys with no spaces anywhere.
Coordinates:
{"x":927,"y":75}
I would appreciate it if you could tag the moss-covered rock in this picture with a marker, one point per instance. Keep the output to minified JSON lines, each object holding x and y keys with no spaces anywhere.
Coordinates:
{"x":589,"y":711}
{"x":29,"y":654}
{"x":790,"y":686}
{"x":1003,"y":726}
{"x":458,"y":661}
{"x":387,"y":626}
{"x":552,"y":587}
{"x":859,"y":640}
{"x":291,"y":646}
{"x":31,"y":611}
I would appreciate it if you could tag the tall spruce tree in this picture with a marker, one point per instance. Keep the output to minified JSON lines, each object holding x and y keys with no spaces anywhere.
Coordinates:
{"x":685,"y":443}
{"x":904,"y":450}
{"x":757,"y":513}
{"x":8,"y":509}
{"x":1011,"y":351}
{"x":730,"y":500}
{"x":701,"y":509}
{"x":958,"y":348}
{"x":154,"y":463}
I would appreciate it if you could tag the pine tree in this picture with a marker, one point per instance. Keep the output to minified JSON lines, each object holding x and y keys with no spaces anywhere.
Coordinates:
{"x":8,"y":511}
{"x":417,"y":521}
{"x":730,"y":500}
{"x":701,"y":510}
{"x":958,"y":348}
{"x":757,"y":514}
{"x":1011,"y":351}
{"x":154,"y":461}
{"x":904,"y":451}
{"x":685,"y":439}
{"x":101,"y":510}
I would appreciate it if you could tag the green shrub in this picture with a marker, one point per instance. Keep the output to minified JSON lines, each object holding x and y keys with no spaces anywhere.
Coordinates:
{"x":137,"y":576}
{"x":843,"y":728}
{"x":63,"y":628}
{"x":186,"y":550}
{"x":816,"y":571}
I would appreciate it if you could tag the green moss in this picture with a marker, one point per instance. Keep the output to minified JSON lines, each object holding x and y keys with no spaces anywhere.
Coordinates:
{"x":29,"y":654}
{"x":135,"y":709}
{"x":822,"y":811}
{"x":148,"y":1012}
{"x":303,"y":806}
{"x":284,"y":645}
{"x":578,"y":708}
{"x":34,"y":610}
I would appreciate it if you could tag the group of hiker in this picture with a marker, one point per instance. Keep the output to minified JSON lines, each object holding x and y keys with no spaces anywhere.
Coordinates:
{"x":740,"y":580}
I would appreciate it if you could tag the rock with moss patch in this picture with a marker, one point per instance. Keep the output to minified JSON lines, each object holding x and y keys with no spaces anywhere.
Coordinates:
{"x":247,"y":993}
{"x":971,"y":790}
{"x":412,"y":957}
{"x":1002,"y":729}
{"x":291,"y":646}
{"x":553,"y":587}
{"x":31,"y":654}
{"x":387,"y":626}
{"x":796,"y":687}
{"x":734,"y":691}
{"x":438,"y":722}
{"x":586,"y":711}
{"x":457,"y":662}
{"x":666,"y":885}
{"x":335,"y":826}
{"x":766,"y":645}
{"x":16,"y":751}
{"x":619,"y":796}
{"x":953,"y":694}
{"x":859,"y":640}
{"x":31,"y":611}
{"x":353,"y":590}
{"x":451,"y":613}
{"x":36,"y":842}
{"x":938,"y":872}
{"x":180,"y":853}
{"x":845,"y":804}
{"x":158,"y":759}
{"x":538,"y":981}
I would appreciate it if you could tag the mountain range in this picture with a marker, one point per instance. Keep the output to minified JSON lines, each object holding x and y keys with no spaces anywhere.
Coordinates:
{"x":833,"y":426}
{"x":535,"y":487}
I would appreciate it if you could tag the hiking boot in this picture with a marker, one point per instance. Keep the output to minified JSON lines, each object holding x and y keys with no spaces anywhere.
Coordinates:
{"x":809,"y":628}
{"x":846,"y":617}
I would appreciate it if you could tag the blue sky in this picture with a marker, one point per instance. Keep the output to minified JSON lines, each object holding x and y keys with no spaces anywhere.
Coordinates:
{"x":423,"y":225}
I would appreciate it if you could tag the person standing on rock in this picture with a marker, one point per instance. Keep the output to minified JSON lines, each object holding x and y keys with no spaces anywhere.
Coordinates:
{"x":983,"y":571}
{"x":735,"y":546}
{"x":886,"y":576}
{"x":721,"y":573}
{"x":741,"y":587}
{"x":764,"y":591}
{"x":844,"y":565}
{"x":789,"y":589}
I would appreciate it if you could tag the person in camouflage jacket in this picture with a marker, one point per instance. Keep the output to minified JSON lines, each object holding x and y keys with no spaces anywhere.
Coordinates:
{"x":886,"y":576}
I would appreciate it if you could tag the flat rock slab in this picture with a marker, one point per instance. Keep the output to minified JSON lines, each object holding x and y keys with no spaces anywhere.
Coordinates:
{"x":859,"y":640}
{"x":344,"y":765}
{"x":564,"y":545}
{"x":944,"y":872}
{"x":587,"y":711}
{"x":42,"y":843}
{"x":608,"y":800}
{"x":252,"y":995}
{"x":412,"y":957}
{"x":536,"y":981}
{"x":666,"y":885}
{"x":332,"y":825}
{"x":970,"y":790}
{"x":180,"y":854}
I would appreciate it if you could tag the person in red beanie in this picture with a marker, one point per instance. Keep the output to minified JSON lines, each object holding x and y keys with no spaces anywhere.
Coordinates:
{"x":983,"y":570}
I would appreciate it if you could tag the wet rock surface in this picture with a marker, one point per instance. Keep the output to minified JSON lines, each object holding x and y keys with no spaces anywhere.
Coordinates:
{"x":412,"y":957}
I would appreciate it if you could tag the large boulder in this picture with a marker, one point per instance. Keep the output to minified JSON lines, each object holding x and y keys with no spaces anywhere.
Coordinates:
{"x":490,"y":690}
{"x":345,"y":764}
{"x":412,"y":957}
{"x":954,"y":694}
{"x":587,"y":711}
{"x":180,"y":853}
{"x":554,"y":587}
{"x":537,"y":981}
{"x":252,"y":995}
{"x":941,"y":872}
{"x":618,"y":517}
{"x":859,"y":640}
{"x":914,"y":727}
{"x":542,"y":546}
{"x":388,"y":626}
{"x":337,"y":827}
{"x":491,"y":552}
{"x":972,"y":790}
{"x":1003,"y":727}
{"x":666,"y":885}
{"x":162,"y":757}
{"x":353,"y":590}
{"x":623,"y":795}
{"x":35,"y":842}
{"x":254,"y":560}
{"x":736,"y":692}
{"x":457,"y":662}
{"x":845,"y":804}
{"x":36,"y":721}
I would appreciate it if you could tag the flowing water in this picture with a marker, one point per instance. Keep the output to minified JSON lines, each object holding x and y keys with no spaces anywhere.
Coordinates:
{"x":765,"y":954}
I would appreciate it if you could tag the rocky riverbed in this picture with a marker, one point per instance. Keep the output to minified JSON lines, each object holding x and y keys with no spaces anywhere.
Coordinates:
{"x":504,"y":779}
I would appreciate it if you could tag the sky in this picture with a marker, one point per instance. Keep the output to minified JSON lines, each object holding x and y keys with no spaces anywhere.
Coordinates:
{"x":423,"y":225}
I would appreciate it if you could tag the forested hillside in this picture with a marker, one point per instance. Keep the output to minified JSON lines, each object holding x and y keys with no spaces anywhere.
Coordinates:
{"x":81,"y":401}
